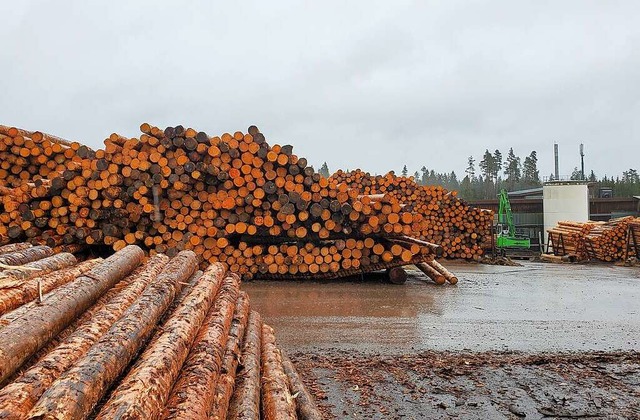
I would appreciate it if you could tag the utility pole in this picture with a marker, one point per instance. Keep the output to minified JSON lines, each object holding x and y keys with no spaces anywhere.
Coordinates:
{"x":582,"y":160}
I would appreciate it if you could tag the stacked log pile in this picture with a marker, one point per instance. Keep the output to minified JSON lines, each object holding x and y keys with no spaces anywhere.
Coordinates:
{"x":567,"y":238}
{"x":256,"y":208}
{"x":604,"y":241}
{"x":461,"y":230}
{"x":129,"y":338}
{"x":608,"y":241}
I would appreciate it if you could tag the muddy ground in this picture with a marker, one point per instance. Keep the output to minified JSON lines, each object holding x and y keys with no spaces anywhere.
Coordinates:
{"x":435,"y":385}
{"x":540,"y":340}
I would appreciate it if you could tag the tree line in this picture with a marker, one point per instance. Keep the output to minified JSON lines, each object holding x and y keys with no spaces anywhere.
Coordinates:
{"x":483,"y":180}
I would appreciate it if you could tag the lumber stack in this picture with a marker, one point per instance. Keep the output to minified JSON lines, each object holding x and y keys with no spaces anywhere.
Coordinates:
{"x":461,"y":230}
{"x":127,"y":337}
{"x":257,"y":208}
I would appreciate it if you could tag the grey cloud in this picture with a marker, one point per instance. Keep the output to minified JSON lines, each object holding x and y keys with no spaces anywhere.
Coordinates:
{"x":374,"y":85}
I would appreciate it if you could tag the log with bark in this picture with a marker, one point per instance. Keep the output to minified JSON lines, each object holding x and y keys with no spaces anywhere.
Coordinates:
{"x":245,"y":401}
{"x":192,"y":395}
{"x":79,"y":389}
{"x":277,"y":401}
{"x":27,"y":334}
{"x":145,"y":390}
{"x":19,"y":397}
{"x":227,"y":377}
{"x":305,"y":404}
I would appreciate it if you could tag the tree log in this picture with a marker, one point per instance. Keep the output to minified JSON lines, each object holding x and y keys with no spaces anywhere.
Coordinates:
{"x":23,"y":337}
{"x":79,"y":389}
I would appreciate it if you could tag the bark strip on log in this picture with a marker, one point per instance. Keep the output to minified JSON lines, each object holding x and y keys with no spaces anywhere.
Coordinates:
{"x":25,"y":256}
{"x":14,"y":301}
{"x":15,"y":277}
{"x":10,"y":248}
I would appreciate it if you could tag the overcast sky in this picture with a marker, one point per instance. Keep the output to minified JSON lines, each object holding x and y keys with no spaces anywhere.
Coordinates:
{"x":369,"y":84}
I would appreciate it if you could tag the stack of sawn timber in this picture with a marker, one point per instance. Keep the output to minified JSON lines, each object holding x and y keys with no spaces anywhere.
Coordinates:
{"x":129,"y":338}
{"x":461,"y":230}
{"x":604,"y":241}
{"x":234,"y":199}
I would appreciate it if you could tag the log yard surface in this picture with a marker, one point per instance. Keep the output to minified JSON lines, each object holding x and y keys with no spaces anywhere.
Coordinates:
{"x":539,"y":340}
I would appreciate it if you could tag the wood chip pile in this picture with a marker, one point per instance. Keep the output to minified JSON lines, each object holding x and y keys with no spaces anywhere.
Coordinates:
{"x":258,"y":209}
{"x":127,"y":337}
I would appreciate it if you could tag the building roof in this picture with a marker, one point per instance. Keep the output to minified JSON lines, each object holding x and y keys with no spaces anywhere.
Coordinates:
{"x":526,"y":193}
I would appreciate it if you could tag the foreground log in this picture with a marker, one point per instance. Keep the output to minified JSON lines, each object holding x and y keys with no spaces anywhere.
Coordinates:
{"x":305,"y":404}
{"x":23,"y":337}
{"x":77,"y":391}
{"x":227,"y":378}
{"x":245,"y":402}
{"x":19,"y":397}
{"x":9,"y":248}
{"x":25,"y":256}
{"x":432,"y":273}
{"x":14,"y":277}
{"x":396,"y":275}
{"x":451,"y":278}
{"x":192,"y":395}
{"x":277,"y":402}
{"x":17,"y":297}
{"x":145,"y":390}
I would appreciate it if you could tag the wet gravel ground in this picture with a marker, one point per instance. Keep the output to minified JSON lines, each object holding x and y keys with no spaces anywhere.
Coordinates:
{"x":536,"y":341}
{"x":436,"y":385}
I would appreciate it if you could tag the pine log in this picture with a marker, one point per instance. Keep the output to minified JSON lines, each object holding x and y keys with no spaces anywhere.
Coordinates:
{"x":145,"y":390}
{"x":79,"y":389}
{"x":245,"y":402}
{"x":23,"y":337}
{"x":19,"y":397}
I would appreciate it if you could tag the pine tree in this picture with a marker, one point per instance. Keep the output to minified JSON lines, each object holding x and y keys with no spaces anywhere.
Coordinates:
{"x":576,"y":174}
{"x":497,"y":164}
{"x":405,"y":171}
{"x":512,"y":170}
{"x":416,"y":176}
{"x":324,"y":170}
{"x":530,"y":173}
{"x":471,"y":168}
{"x":425,"y":175}
{"x":487,"y":165}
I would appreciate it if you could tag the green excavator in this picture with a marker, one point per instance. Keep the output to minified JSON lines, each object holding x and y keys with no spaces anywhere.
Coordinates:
{"x":507,"y":237}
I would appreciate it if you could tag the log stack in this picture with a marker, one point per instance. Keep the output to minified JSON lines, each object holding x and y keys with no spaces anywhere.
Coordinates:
{"x":257,"y":208}
{"x":128,"y":338}
{"x":567,"y":238}
{"x":461,"y":230}
{"x":605,"y":241}
{"x":608,"y":241}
